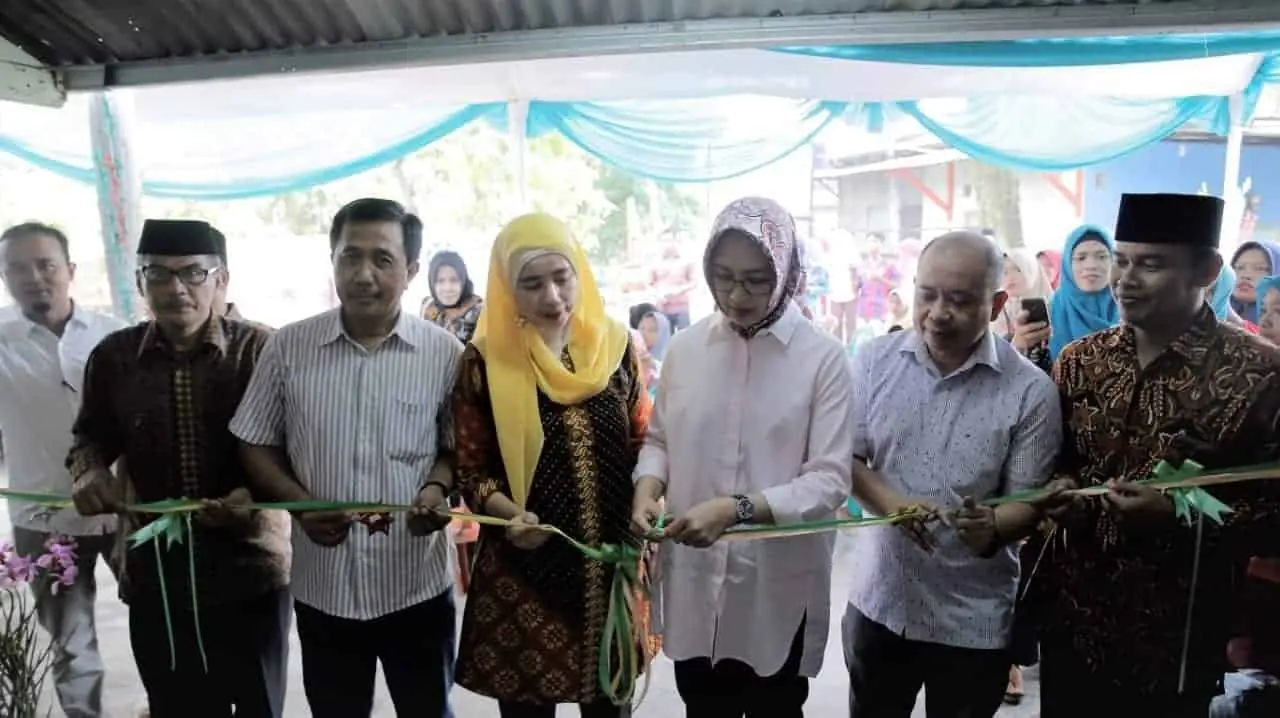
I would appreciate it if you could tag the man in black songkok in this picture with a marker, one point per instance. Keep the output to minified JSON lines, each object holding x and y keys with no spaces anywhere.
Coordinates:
{"x":1138,"y":606}
{"x":158,"y":398}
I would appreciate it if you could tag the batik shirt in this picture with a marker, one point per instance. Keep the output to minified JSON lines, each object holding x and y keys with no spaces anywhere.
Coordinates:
{"x":165,"y":412}
{"x":1118,"y":595}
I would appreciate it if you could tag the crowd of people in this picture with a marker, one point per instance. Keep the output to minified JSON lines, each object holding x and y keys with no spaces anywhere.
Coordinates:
{"x":533,"y":406}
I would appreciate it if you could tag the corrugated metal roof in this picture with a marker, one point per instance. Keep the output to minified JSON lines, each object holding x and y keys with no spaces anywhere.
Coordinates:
{"x":91,"y":32}
{"x":99,"y":43}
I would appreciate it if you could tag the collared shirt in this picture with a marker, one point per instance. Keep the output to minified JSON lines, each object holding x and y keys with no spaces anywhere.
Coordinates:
{"x":1119,"y":596}
{"x":41,"y":378}
{"x":735,"y":416}
{"x":165,"y":412}
{"x":989,"y":428}
{"x":358,"y":425}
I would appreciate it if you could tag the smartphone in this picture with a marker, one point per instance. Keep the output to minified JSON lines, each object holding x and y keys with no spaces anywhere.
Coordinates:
{"x":1036,"y":309}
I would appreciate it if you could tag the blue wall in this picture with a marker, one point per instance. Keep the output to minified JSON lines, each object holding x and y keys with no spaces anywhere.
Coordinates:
{"x":1174,"y":166}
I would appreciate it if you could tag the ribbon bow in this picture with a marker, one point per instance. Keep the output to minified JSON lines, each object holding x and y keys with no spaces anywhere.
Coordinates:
{"x":1188,"y":501}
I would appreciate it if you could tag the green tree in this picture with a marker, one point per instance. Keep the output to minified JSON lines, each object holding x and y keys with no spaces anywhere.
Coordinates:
{"x":463,"y":187}
{"x":642,"y":210}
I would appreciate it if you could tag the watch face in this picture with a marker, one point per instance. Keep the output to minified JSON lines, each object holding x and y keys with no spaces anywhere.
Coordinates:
{"x":746,"y":509}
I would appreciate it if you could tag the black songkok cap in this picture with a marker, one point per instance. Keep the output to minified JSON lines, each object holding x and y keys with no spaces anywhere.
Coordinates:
{"x":1185,"y":219}
{"x":181,"y":238}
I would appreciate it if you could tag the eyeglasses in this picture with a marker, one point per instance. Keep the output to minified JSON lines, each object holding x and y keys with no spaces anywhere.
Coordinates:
{"x":192,"y":275}
{"x":755,"y":286}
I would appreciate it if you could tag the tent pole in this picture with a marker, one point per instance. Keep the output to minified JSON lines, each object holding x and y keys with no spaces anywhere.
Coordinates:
{"x":518,"y":126}
{"x":1231,"y":189}
{"x":119,"y":188}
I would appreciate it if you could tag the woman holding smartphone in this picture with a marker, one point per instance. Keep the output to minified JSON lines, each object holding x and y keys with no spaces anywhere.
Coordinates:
{"x":1081,"y":305}
{"x":1024,"y":280}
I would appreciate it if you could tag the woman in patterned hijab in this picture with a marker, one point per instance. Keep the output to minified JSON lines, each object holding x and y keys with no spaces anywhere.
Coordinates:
{"x":752,"y":297}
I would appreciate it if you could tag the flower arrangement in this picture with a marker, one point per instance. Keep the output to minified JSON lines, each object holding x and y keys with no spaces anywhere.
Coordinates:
{"x":25,"y":655}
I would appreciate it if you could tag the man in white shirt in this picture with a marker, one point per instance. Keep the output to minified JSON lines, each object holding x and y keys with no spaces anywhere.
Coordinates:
{"x":345,"y":406}
{"x":752,"y":424}
{"x":943,"y":413}
{"x":43,"y":350}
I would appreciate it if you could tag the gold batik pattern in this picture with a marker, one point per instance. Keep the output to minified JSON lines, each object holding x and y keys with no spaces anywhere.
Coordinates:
{"x":532,"y":626}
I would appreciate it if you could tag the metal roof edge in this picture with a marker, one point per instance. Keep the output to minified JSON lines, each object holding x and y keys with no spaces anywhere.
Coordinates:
{"x":848,"y":28}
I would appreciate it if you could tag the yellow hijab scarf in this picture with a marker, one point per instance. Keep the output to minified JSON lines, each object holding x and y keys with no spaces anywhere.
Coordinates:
{"x":517,"y":361}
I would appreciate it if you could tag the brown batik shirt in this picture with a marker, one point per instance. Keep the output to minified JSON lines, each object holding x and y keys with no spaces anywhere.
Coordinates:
{"x":166,"y":413}
{"x":1118,"y":595}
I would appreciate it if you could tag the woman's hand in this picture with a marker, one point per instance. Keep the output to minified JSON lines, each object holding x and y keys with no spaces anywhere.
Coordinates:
{"x":704,"y":523}
{"x":525,"y":534}
{"x":1028,"y":335}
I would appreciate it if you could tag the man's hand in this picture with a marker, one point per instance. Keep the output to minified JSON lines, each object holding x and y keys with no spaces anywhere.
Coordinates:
{"x":326,"y":528}
{"x":1138,"y":502}
{"x":975,"y":525}
{"x":703,"y":524}
{"x":430,"y":511}
{"x":525,"y":534}
{"x":916,"y":528}
{"x":1027,"y":334}
{"x":97,"y":492}
{"x":230,"y":510}
{"x":1059,"y":502}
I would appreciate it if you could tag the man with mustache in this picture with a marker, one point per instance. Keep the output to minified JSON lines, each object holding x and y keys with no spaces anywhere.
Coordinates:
{"x":160,"y":395}
{"x":1137,"y":609}
{"x":43,"y":350}
{"x":348,"y":405}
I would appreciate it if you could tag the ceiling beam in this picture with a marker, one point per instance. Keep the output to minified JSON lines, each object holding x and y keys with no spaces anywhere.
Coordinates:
{"x":848,"y":28}
{"x":23,"y":79}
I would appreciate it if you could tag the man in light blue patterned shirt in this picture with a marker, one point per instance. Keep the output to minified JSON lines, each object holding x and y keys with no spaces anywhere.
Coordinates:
{"x":944,"y":413}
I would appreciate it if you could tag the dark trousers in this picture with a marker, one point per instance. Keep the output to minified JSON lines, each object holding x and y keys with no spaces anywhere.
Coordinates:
{"x":601,"y":709}
{"x":415,"y":646}
{"x":246,"y":644}
{"x":1069,"y":689}
{"x":886,"y":672}
{"x":732,"y":689}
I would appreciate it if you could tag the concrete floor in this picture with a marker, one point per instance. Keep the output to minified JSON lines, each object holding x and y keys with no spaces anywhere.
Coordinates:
{"x":125,"y":698}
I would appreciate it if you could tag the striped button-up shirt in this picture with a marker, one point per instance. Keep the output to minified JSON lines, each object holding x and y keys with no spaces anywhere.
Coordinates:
{"x":991,"y":427}
{"x":358,"y":425}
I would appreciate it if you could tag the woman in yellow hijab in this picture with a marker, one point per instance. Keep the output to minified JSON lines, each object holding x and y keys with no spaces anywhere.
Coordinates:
{"x":549,"y":412}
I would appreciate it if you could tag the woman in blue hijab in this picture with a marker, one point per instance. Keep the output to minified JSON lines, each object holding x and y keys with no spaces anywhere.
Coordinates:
{"x":1251,"y":262}
{"x":1083,"y":303}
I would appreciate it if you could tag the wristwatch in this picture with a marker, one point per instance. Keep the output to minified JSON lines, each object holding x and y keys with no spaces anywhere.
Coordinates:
{"x":745,"y":509}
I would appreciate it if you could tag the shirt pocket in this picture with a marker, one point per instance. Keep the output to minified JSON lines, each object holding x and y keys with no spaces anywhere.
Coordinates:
{"x":975,"y":464}
{"x":411,"y":430}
